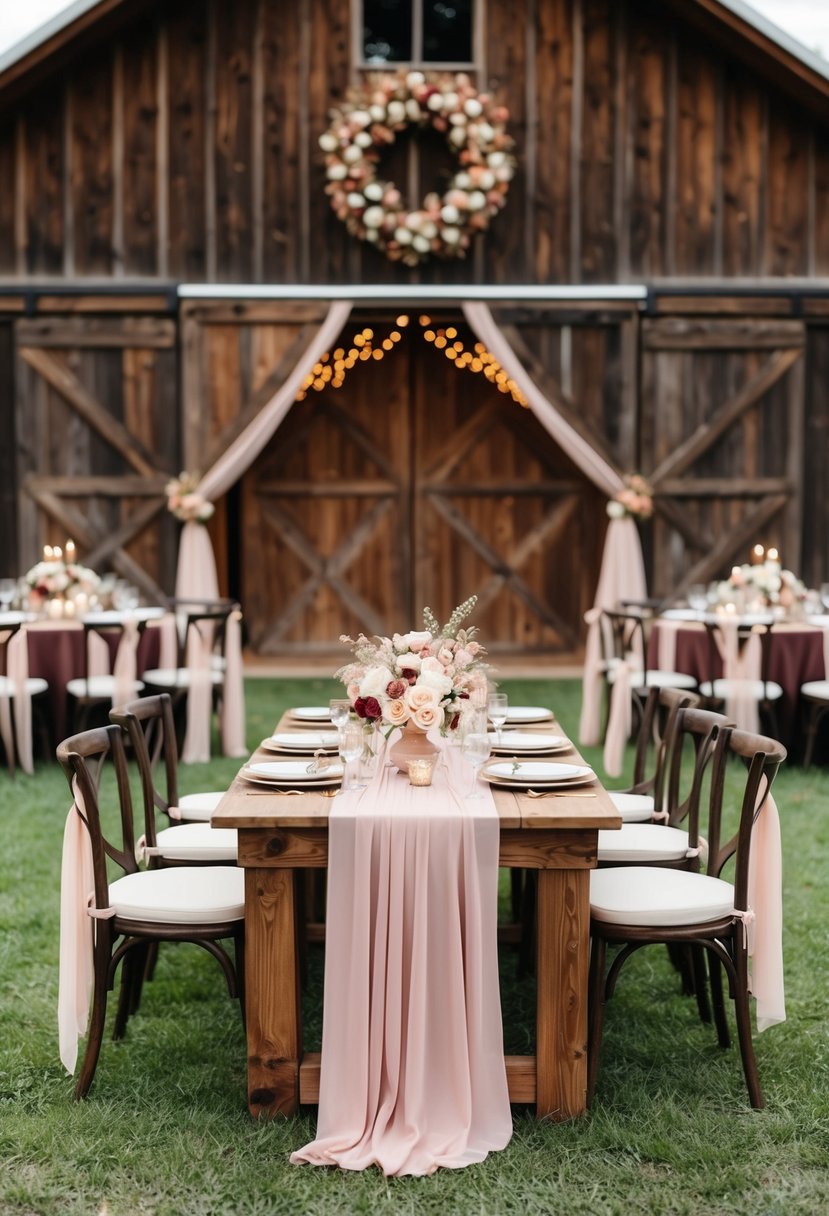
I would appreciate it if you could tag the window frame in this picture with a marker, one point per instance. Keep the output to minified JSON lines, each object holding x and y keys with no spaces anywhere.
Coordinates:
{"x":475,"y":64}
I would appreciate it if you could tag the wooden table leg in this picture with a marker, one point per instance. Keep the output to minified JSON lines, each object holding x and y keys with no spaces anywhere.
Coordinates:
{"x":274,"y":1027}
{"x":563,"y":947}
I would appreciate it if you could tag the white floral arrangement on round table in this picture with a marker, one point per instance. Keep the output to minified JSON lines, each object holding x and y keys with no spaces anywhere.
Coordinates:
{"x":184,"y":502}
{"x":636,"y":499}
{"x":55,"y":578}
{"x":423,"y":677}
{"x":374,"y":210}
{"x":765,"y":585}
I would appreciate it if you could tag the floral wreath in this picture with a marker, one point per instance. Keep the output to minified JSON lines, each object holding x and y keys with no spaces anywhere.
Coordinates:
{"x":635,"y":499}
{"x":374,"y":210}
{"x":184,"y":502}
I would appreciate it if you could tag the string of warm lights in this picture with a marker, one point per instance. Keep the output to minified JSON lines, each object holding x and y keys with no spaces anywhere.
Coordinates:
{"x":333,"y":366}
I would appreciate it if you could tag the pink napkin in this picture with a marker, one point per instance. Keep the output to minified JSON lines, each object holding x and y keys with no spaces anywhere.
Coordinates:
{"x":765,"y":931}
{"x":76,"y":972}
{"x":413,"y":1074}
{"x":233,"y":694}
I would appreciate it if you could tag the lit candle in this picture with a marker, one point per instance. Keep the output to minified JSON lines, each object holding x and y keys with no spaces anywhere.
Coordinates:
{"x":54,"y":609}
{"x":70,"y":550}
{"x":757,"y":555}
{"x":736,"y":572}
{"x":773,"y":556}
{"x":57,"y":553}
{"x":47,"y":553}
{"x":420,"y":771}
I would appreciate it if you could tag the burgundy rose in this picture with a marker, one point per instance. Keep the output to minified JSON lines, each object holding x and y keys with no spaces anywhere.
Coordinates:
{"x":408,"y":675}
{"x":360,"y":707}
{"x":372,"y":707}
{"x":395,"y":689}
{"x":453,"y":725}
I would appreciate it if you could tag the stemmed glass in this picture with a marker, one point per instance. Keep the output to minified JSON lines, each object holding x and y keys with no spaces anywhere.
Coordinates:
{"x":497,"y":705}
{"x":8,"y":590}
{"x":351,"y":749}
{"x":476,"y":746}
{"x":698,"y":597}
{"x":824,"y":595}
{"x":338,"y":710}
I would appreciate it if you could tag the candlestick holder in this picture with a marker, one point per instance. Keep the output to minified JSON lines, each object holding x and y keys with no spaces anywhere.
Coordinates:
{"x":421,"y":770}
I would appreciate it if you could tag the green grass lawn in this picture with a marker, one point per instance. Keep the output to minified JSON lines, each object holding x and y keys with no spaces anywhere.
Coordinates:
{"x":166,"y":1131}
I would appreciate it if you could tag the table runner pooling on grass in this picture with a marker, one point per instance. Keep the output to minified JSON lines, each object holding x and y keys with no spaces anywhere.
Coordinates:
{"x":412,"y":1074}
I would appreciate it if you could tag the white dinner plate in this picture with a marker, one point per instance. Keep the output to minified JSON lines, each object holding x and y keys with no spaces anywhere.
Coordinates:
{"x":528,"y":713}
{"x":308,"y":783}
{"x":117,"y":616}
{"x":682,"y":614}
{"x":819,"y":619}
{"x":302,"y":741}
{"x":286,"y":772}
{"x":540,"y":785}
{"x":16,"y":618}
{"x":536,"y":772}
{"x":529,"y":741}
{"x":310,"y":713}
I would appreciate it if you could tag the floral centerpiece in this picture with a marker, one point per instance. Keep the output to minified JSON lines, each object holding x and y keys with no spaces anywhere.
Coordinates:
{"x":56,"y":579}
{"x":762,"y":586}
{"x":184,"y":502}
{"x":421,"y":678}
{"x":635,"y":499}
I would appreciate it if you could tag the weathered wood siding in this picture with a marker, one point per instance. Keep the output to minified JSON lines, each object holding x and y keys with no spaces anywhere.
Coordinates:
{"x":185,"y":147}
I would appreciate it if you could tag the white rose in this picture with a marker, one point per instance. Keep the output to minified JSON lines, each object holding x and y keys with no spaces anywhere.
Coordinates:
{"x":615,"y":509}
{"x":449,"y":214}
{"x":485,"y":132}
{"x":487,"y":180}
{"x":457,"y":137}
{"x":473,"y":107}
{"x":506,"y":174}
{"x":377,"y":113}
{"x":375,"y":681}
{"x":363,"y":140}
{"x":496,"y":160}
{"x":409,"y":662}
{"x":451,"y":101}
{"x":463,"y":181}
{"x":403,"y":236}
{"x":438,"y":681}
{"x":355,"y":200}
{"x":458,"y":119}
{"x":361,"y":118}
{"x":373,"y":217}
{"x":329,"y":142}
{"x":451,"y":236}
{"x":374,"y":192}
{"x":352,"y":154}
{"x":429,"y":229}
{"x":397,"y":111}
{"x":435,"y":102}
{"x":372,"y":235}
{"x":477,"y":200}
{"x":421,"y":244}
{"x":413,"y":111}
{"x":415,"y":79}
{"x":419,"y":639}
{"x":413,"y":220}
{"x":336,"y":173}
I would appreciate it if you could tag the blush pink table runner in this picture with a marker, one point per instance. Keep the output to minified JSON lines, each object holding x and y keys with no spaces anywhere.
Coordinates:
{"x":412,"y":1075}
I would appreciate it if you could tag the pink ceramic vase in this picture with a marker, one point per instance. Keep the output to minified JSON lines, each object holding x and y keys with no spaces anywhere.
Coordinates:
{"x":412,"y":745}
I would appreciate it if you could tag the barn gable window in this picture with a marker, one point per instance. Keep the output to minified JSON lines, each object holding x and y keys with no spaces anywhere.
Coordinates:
{"x":419,"y":32}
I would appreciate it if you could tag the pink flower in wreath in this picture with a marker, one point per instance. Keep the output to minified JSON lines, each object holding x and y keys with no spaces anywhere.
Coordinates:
{"x":396,"y":712}
{"x":396,"y":688}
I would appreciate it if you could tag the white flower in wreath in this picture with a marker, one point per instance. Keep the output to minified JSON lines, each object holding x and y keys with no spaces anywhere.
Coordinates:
{"x":375,"y":682}
{"x":329,"y":142}
{"x":337,"y":173}
{"x":374,"y":192}
{"x":403,"y":236}
{"x":615,"y":509}
{"x":374,"y":217}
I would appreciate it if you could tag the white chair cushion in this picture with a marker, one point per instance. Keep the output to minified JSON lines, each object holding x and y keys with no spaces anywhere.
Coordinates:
{"x":649,"y":895}
{"x":181,"y":896}
{"x":643,"y":842}
{"x":34,"y":686}
{"x":816,"y":688}
{"x":655,"y":679}
{"x":99,"y":688}
{"x":634,"y":808}
{"x":198,"y":842}
{"x":751,"y":688}
{"x":176,"y":677}
{"x":197,"y":808}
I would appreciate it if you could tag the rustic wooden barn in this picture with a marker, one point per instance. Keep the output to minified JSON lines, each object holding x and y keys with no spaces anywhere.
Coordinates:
{"x":661,"y":265}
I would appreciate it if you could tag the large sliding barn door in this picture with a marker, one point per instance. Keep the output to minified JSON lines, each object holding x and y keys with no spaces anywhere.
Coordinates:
{"x":722,"y":441}
{"x":97,"y":435}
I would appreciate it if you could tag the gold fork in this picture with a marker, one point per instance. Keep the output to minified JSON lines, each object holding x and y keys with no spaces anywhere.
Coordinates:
{"x":558,"y":794}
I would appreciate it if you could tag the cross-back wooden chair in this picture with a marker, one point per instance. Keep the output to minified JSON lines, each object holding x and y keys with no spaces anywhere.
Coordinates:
{"x":643,"y":799}
{"x":187,"y":837}
{"x":734,"y":689}
{"x":11,"y":690}
{"x":633,"y":907}
{"x":200,"y":905}
{"x":624,"y":635}
{"x":91,"y":692}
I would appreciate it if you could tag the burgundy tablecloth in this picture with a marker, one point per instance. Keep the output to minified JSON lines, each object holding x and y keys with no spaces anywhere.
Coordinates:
{"x":795,"y":656}
{"x":56,"y":655}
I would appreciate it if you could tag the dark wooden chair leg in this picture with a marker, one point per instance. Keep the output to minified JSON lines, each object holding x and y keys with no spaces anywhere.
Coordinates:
{"x":95,"y":1033}
{"x":743,"y":1016}
{"x":700,"y":982}
{"x":595,"y":1014}
{"x":718,"y":1000}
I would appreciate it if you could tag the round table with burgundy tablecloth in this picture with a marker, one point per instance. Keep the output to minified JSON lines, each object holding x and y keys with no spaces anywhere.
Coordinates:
{"x":795,"y":656}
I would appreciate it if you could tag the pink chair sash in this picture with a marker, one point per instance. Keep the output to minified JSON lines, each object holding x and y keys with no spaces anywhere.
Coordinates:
{"x":76,"y":970}
{"x":196,"y":747}
{"x":666,"y":632}
{"x":126,"y":662}
{"x":233,"y":693}
{"x":619,"y":721}
{"x":413,"y":1074}
{"x":17,"y":670}
{"x":168,"y":642}
{"x":765,"y":922}
{"x":741,"y":668}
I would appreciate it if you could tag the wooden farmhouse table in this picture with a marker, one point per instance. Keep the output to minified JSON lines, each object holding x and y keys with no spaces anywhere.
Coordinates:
{"x":280,"y":836}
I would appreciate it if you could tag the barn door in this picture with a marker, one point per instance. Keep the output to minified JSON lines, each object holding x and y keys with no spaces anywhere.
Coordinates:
{"x":722,"y":441}
{"x":97,"y":428}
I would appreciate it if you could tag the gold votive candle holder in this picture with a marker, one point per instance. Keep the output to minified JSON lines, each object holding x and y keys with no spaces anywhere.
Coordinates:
{"x":420,"y":770}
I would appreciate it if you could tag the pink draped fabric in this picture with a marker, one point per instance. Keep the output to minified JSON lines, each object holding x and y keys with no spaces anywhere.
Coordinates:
{"x":17,"y":671}
{"x":666,"y":645}
{"x":413,"y":1074}
{"x":622,"y":577}
{"x":233,"y":693}
{"x":765,"y":929}
{"x":622,"y":573}
{"x":126,"y":664}
{"x":742,"y":667}
{"x":196,"y":748}
{"x":168,"y":641}
{"x":76,"y":971}
{"x":619,"y":721}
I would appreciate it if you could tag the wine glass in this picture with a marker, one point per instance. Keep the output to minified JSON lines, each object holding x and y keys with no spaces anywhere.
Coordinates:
{"x":8,"y":590}
{"x":497,"y":705}
{"x":476,"y":747}
{"x":698,"y":597}
{"x":824,"y":595}
{"x":338,"y":710}
{"x":351,"y":749}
